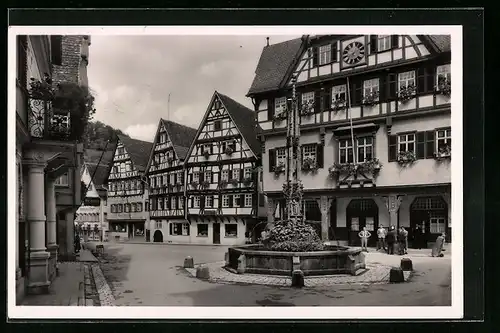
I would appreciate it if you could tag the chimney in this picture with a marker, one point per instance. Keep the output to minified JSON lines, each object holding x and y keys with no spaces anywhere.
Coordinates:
{"x":267,"y":39}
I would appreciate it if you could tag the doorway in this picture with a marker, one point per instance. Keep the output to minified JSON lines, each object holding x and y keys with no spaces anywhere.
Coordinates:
{"x":431,"y":214}
{"x":158,"y":237}
{"x":216,"y":235}
{"x":362,"y":213}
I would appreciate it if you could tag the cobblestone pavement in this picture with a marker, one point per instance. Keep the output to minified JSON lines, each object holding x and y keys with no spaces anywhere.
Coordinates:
{"x":374,"y":274}
{"x":141,"y":274}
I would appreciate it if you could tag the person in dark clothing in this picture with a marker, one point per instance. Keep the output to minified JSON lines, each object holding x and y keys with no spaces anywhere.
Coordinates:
{"x":77,"y":243}
{"x":416,"y":237}
{"x":391,"y":239}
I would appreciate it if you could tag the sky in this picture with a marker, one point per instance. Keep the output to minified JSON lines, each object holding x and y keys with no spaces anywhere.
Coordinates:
{"x":132,"y":76}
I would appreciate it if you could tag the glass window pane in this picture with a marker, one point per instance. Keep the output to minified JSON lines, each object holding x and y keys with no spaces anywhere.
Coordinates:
{"x":411,"y":146}
{"x":369,"y":153}
{"x":440,"y":134}
{"x":411,"y":137}
{"x":361,"y":154}
{"x":402,"y":147}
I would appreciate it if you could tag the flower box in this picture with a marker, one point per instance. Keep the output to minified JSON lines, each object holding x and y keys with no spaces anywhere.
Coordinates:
{"x":233,"y":181}
{"x":443,"y":153}
{"x":307,"y":108}
{"x":206,"y":154}
{"x":228,"y":151}
{"x":280,"y":168}
{"x":281,"y":116}
{"x":247,"y":181}
{"x":444,"y":86}
{"x":205,"y":184}
{"x":406,"y":158}
{"x":371,"y":98}
{"x":194,"y":184}
{"x":338,"y":105}
{"x":223,"y":183}
{"x":308,"y":164}
{"x":371,"y":167}
{"x":407,"y":92}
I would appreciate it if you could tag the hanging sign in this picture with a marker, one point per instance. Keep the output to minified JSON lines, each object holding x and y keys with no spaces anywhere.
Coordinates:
{"x":92,"y":202}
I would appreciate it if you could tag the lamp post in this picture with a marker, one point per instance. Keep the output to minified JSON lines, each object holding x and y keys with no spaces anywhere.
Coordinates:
{"x":292,"y":188}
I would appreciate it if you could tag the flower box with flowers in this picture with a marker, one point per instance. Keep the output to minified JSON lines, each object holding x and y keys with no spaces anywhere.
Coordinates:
{"x":280,"y":168}
{"x":206,"y":154}
{"x":247,"y":180}
{"x":228,"y":151}
{"x":205,"y":184}
{"x":443,"y":152}
{"x":444,"y":86}
{"x":338,"y":105}
{"x":406,"y":157}
{"x":233,"y":181}
{"x":281,"y":116}
{"x":371,"y":167}
{"x":307,"y":108}
{"x":222,"y":183}
{"x":407,"y":92}
{"x":309,"y":164}
{"x":194,"y":184}
{"x":371,"y":98}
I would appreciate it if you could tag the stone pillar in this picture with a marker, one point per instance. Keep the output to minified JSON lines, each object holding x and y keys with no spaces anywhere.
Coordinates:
{"x":69,"y":235}
{"x":271,"y":208}
{"x":324,"y":205}
{"x":38,"y":276}
{"x":392,"y":203}
{"x":50,"y":211}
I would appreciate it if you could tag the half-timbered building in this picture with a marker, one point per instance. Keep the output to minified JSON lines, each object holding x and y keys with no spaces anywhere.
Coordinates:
{"x":375,"y":130}
{"x":166,"y":175}
{"x":128,"y":190}
{"x":222,"y":175}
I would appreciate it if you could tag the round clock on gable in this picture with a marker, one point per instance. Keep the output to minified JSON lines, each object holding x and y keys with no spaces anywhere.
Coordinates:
{"x":353,"y":53}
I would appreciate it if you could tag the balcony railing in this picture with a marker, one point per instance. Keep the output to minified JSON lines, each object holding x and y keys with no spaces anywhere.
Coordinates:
{"x":58,"y":113}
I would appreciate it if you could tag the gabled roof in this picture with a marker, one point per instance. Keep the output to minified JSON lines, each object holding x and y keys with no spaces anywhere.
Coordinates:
{"x":275,"y":61}
{"x":245,"y":121}
{"x":181,"y":136}
{"x":99,"y":173}
{"x":138,"y":151}
{"x":273,"y":65}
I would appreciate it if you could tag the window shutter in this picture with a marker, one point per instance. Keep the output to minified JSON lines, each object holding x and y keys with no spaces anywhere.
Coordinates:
{"x":272,"y":159}
{"x":175,"y":178}
{"x":254,"y":200}
{"x":327,"y":98}
{"x":421,"y":80}
{"x":420,"y":145}
{"x":202,"y":202}
{"x":319,"y":155}
{"x":315,"y":56}
{"x":393,"y":144}
{"x":270,"y":109}
{"x":334,"y":52}
{"x":211,"y":177}
{"x":230,"y":174}
{"x":383,"y":88}
{"x":201,"y":176}
{"x":168,"y":203}
{"x":211,"y":149}
{"x":317,"y":101}
{"x":373,"y":44}
{"x":230,"y":200}
{"x":242,"y":173}
{"x":190,"y":177}
{"x":242,"y":200}
{"x":394,"y":41}
{"x":357,"y":93}
{"x":430,"y":79}
{"x":391,"y":86}
{"x":429,"y":144}
{"x":192,"y":202}
{"x":219,"y":198}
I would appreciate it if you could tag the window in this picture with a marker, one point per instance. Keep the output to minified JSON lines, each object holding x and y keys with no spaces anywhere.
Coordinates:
{"x":120,"y":208}
{"x":206,"y":148}
{"x":217,"y":125}
{"x":113,"y":208}
{"x":370,"y":86}
{"x":160,"y":203}
{"x":231,"y":230}
{"x":355,"y":224}
{"x":279,"y":105}
{"x":247,"y":173}
{"x":172,"y":178}
{"x":128,"y":167}
{"x":146,"y":206}
{"x":159,"y":224}
{"x":307,"y":98}
{"x":225,"y":200}
{"x":406,"y":142}
{"x":309,"y":151}
{"x":443,"y":139}
{"x":173,"y":203}
{"x":181,"y":202}
{"x":196,"y":201}
{"x":236,"y":201}
{"x":225,"y":175}
{"x":346,"y":154}
{"x":280,"y":156}
{"x":209,"y":201}
{"x":248,"y":200}
{"x":202,"y":230}
{"x":139,"y":207}
{"x":196,"y":177}
{"x":339,"y":93}
{"x":325,"y":54}
{"x":437,"y":225}
{"x":365,"y":149}
{"x":384,"y":42}
{"x":236,"y":173}
{"x":208,"y":176}
{"x":62,"y":180}
{"x":406,"y":79}
{"x":443,"y":72}
{"x":180,"y":177}
{"x":132,"y":207}
{"x":180,"y":229}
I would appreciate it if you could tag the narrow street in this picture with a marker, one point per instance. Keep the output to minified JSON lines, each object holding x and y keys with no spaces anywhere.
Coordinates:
{"x":152,"y":275}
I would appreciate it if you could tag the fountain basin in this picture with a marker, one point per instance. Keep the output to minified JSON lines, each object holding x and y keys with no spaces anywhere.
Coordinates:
{"x":332,"y":260}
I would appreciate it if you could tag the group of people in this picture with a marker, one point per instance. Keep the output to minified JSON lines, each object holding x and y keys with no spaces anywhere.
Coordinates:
{"x":392,"y":241}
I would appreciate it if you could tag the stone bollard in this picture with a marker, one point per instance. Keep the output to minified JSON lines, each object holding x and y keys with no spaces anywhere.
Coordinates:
{"x":202,"y":272}
{"x":297,"y":278}
{"x":406,"y":264}
{"x":396,"y":275}
{"x":226,"y":258}
{"x":188,"y":262}
{"x":241,"y":264}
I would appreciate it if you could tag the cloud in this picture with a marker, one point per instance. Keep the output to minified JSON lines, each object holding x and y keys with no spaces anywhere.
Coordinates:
{"x":132,"y":76}
{"x":145,"y":132}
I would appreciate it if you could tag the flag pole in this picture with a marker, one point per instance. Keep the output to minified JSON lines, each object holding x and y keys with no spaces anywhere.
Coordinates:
{"x":350,"y":120}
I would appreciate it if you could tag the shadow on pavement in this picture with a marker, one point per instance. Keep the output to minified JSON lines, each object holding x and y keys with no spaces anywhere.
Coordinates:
{"x":114,"y":265}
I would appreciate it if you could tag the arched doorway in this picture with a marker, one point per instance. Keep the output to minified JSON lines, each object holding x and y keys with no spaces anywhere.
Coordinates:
{"x":312,"y":214}
{"x":362,"y":213}
{"x":158,"y":237}
{"x":431,"y":214}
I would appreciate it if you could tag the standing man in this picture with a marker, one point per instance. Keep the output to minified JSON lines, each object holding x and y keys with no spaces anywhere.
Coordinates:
{"x":381,"y":232}
{"x":364,"y":235}
{"x":405,"y":239}
{"x":391,"y":238}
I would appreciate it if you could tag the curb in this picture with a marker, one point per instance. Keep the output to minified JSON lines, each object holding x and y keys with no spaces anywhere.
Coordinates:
{"x":106,"y":297}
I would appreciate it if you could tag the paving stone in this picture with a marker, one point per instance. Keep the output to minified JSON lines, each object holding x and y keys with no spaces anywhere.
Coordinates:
{"x":106,"y":297}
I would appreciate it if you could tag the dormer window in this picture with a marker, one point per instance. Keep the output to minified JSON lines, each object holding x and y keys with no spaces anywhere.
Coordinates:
{"x":217,"y":125}
{"x":384,"y":42}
